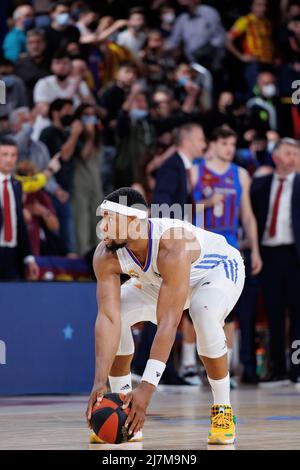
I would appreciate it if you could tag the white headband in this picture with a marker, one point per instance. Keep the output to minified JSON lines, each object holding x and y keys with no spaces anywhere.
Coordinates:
{"x":124,"y":210}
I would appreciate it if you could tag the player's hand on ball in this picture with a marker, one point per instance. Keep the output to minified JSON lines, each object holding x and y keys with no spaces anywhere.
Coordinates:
{"x":139,"y":399}
{"x":96,"y":395}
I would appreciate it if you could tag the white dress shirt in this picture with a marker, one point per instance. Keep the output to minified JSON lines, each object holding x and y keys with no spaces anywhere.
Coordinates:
{"x":186,"y":161}
{"x":188,"y":167}
{"x":284,"y":231}
{"x":13,"y":212}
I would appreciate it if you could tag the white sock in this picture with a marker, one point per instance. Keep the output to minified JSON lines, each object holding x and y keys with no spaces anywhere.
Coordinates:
{"x":122,"y":384}
{"x":229,"y":357}
{"x":188,"y":356}
{"x":220,"y":390}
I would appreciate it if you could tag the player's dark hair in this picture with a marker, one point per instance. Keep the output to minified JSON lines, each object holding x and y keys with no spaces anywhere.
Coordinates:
{"x":128,"y":195}
{"x":5,"y":141}
{"x":222,"y":133}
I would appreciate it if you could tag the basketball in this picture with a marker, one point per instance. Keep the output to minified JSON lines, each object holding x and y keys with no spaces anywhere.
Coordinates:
{"x":108,"y":419}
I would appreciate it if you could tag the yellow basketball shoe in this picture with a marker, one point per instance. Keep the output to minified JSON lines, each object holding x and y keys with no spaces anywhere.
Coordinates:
{"x":222,"y":430}
{"x":94,"y":439}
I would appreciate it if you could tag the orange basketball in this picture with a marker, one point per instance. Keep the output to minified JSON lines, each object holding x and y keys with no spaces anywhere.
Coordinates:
{"x":108,"y":419}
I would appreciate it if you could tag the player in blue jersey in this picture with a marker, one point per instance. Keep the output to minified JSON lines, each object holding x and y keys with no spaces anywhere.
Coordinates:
{"x":223,"y":188}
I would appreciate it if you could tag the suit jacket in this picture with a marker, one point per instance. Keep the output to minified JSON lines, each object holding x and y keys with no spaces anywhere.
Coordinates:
{"x":23,"y":244}
{"x":171,"y":183}
{"x":260,"y":198}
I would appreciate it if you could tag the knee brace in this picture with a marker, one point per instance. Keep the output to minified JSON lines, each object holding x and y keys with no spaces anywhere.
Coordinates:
{"x":208,"y":310}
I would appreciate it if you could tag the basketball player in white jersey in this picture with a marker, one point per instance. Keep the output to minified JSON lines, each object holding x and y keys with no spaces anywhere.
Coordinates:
{"x":173,"y":265}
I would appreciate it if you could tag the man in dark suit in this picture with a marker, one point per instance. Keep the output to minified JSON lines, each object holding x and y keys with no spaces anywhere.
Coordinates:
{"x":276,"y":205}
{"x":15,"y":251}
{"x":174,"y":184}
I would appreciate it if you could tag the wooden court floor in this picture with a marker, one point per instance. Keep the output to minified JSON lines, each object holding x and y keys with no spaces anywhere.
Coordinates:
{"x":178,"y":419}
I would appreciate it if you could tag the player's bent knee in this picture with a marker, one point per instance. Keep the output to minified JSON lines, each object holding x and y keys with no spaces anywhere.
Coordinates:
{"x":211,"y":340}
{"x":213,"y":350}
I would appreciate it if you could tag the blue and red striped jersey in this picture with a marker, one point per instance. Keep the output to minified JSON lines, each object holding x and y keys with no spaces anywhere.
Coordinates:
{"x":223,"y":218}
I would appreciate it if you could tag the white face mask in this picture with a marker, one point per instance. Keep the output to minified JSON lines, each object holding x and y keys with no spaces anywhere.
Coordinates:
{"x":269,"y":91}
{"x":168,"y":18}
{"x":62,"y":19}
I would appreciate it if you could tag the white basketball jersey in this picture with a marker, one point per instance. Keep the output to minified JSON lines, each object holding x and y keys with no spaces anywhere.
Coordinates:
{"x":214,"y":248}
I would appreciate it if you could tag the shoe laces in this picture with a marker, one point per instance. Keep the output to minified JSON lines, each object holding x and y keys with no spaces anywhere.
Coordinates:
{"x":222,"y":420}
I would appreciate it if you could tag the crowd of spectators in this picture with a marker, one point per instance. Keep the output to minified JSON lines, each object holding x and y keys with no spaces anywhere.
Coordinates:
{"x":101,"y":95}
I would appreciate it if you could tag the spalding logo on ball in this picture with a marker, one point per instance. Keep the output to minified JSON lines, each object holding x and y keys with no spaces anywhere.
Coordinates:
{"x":108,"y":419}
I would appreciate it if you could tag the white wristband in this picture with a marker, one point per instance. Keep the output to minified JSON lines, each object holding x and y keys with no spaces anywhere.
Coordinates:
{"x":153,"y":371}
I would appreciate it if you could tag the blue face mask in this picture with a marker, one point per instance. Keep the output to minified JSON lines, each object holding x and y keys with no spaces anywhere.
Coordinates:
{"x":182,"y":81}
{"x":26,"y":128}
{"x":138,"y":113}
{"x":9,"y":80}
{"x":28,"y":24}
{"x":89,"y":120}
{"x":63,"y":19}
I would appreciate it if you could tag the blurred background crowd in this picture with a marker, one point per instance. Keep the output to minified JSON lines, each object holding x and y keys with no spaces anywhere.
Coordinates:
{"x":186,"y":101}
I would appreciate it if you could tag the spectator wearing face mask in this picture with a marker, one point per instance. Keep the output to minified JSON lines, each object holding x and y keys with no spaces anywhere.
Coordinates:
{"x":87,"y":22}
{"x":221,"y":114}
{"x":15,"y":41}
{"x":15,"y":89}
{"x":159,"y":64}
{"x":227,"y":112}
{"x":166,"y":116}
{"x":63,"y":136}
{"x":87,"y":191}
{"x":167,"y":18}
{"x":28,"y":149}
{"x":135,"y":135}
{"x":134,"y":37}
{"x":263,"y":106}
{"x":61,"y":31}
{"x":111,"y":102}
{"x":35,"y":65}
{"x":185,"y":83}
{"x":61,"y":84}
{"x":256,"y":157}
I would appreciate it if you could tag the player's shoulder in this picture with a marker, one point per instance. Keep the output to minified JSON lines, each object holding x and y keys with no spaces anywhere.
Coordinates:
{"x":243,"y":174}
{"x":174,"y":238}
{"x":105,"y":260}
